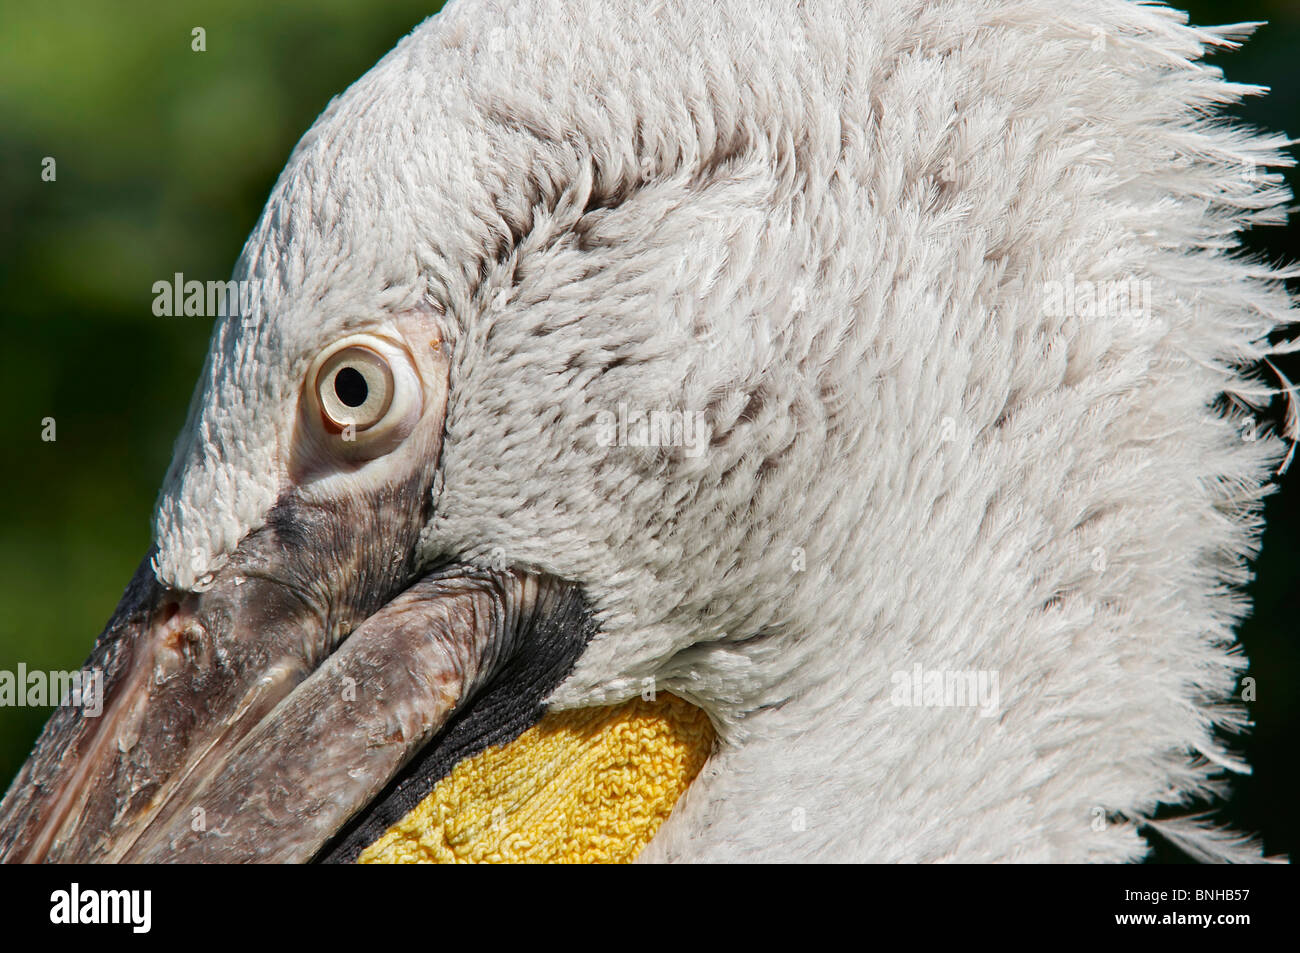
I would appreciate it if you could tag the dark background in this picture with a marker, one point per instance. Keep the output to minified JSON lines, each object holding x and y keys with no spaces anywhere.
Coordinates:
{"x":165,"y":158}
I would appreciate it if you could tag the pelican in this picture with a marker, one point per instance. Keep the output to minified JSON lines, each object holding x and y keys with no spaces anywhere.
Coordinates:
{"x":737,"y":430}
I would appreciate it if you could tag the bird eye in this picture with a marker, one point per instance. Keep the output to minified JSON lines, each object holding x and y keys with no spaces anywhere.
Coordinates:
{"x":361,"y":398}
{"x":355,"y":388}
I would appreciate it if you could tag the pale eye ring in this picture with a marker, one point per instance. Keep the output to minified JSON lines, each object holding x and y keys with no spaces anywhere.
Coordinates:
{"x":355,"y":388}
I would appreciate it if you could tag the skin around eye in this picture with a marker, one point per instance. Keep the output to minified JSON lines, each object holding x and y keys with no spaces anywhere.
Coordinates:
{"x":363,"y":395}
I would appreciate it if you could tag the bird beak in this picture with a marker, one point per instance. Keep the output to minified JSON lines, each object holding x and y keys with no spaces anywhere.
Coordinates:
{"x":250,"y":717}
{"x":183,"y":681}
{"x":224,"y":735}
{"x":314,"y":684}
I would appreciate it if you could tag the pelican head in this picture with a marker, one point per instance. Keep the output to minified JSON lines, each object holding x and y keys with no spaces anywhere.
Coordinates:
{"x":850,"y":375}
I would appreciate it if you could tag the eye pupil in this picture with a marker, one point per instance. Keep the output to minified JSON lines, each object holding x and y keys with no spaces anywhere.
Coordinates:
{"x":350,"y":386}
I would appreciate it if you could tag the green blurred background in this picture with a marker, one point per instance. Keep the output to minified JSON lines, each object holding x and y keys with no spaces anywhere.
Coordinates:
{"x":164,"y":159}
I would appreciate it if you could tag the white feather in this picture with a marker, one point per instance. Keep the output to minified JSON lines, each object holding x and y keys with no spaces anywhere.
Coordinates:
{"x":1203,"y":841}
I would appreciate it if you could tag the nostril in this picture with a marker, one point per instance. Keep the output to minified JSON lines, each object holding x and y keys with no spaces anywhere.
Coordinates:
{"x":178,"y":638}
